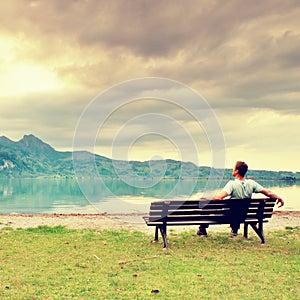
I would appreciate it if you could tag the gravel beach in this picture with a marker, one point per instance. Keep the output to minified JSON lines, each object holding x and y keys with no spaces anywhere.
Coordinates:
{"x":279,"y":220}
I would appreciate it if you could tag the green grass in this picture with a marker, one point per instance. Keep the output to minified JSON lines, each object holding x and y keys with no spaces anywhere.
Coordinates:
{"x":58,"y":263}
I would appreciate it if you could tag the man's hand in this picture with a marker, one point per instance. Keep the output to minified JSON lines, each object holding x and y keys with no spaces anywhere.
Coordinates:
{"x":280,"y":202}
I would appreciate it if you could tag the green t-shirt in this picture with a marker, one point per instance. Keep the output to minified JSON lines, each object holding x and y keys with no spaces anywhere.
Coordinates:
{"x":242,"y":189}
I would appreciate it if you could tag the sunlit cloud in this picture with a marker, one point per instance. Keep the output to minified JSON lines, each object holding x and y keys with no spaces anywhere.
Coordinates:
{"x":24,"y":79}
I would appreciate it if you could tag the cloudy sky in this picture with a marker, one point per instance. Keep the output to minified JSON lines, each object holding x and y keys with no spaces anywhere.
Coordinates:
{"x":66,"y":61}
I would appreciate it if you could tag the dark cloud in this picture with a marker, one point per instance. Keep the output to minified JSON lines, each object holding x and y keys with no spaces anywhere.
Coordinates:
{"x":160,"y":28}
{"x":145,"y":27}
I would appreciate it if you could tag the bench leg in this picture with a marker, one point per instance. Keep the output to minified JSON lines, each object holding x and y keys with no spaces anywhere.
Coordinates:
{"x":246,"y":231}
{"x":259,"y":231}
{"x":156,"y":234}
{"x":163,"y":231}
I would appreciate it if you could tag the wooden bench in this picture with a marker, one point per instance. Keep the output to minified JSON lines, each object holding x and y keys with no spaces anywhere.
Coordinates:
{"x":253,"y":212}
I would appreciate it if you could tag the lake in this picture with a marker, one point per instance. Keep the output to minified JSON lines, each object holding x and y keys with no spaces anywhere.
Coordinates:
{"x":36,"y":196}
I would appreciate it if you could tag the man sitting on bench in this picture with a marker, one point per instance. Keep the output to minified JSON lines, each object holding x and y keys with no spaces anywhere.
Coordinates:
{"x":240,"y":188}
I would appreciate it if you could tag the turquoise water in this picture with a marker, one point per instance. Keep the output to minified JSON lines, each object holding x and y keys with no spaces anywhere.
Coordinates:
{"x":65,"y":196}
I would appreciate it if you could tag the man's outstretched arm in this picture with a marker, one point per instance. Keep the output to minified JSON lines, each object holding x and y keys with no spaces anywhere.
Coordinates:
{"x":220,"y":196}
{"x":270,"y":194}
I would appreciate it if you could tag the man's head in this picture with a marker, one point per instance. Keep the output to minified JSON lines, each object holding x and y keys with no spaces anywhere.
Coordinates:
{"x":240,"y":168}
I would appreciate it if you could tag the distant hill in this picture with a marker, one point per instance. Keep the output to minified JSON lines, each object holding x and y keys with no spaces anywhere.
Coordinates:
{"x":31,"y":157}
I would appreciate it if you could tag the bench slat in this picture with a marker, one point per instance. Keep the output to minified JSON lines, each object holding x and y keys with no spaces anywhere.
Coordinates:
{"x":212,"y":218}
{"x":202,"y":222}
{"x":224,"y":211}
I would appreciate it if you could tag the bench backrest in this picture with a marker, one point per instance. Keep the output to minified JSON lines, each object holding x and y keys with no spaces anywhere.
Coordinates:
{"x":178,"y":212}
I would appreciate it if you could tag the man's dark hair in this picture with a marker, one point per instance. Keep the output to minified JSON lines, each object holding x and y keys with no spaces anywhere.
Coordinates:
{"x":242,"y":168}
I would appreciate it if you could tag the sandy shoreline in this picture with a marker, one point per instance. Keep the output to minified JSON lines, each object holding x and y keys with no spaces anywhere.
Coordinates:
{"x":279,"y":220}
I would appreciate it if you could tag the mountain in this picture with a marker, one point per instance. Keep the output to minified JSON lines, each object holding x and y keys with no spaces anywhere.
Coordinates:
{"x":32,"y":145}
{"x":31,"y":157}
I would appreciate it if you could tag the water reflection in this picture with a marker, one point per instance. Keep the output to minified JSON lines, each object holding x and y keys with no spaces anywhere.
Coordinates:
{"x":65,"y":196}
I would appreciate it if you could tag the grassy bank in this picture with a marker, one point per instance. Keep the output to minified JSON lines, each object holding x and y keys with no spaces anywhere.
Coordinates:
{"x":58,"y":263}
